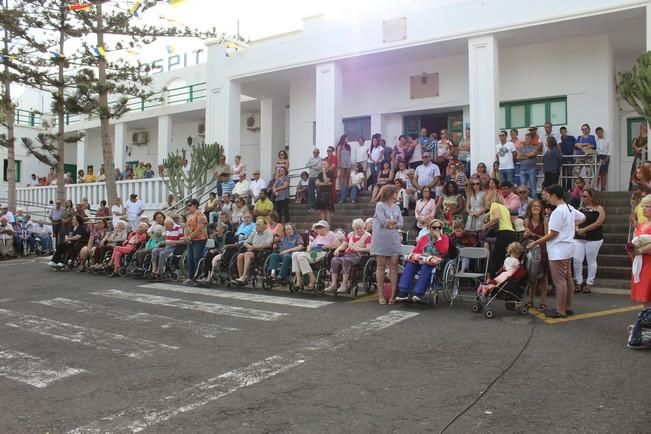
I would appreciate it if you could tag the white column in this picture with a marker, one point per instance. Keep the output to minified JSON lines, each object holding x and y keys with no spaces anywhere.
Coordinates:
{"x":119,"y":146}
{"x":483,"y":83}
{"x":272,"y":133}
{"x":223,"y":117}
{"x":648,"y":27}
{"x":329,"y":93}
{"x":81,"y":155}
{"x":164,"y":137}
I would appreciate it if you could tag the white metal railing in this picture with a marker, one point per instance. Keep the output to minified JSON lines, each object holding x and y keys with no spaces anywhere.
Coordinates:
{"x":152,"y":191}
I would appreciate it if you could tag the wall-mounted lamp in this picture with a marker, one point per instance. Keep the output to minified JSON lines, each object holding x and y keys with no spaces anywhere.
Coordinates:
{"x":189,"y":140}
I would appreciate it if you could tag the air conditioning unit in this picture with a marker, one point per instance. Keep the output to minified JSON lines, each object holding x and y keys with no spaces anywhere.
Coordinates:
{"x":201,"y":129}
{"x":140,"y":138}
{"x":253,"y":121}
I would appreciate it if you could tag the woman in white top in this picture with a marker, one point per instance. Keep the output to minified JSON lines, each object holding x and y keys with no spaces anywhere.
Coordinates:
{"x":357,"y":182}
{"x":425,"y":208}
{"x":560,"y":248}
{"x":238,"y":167}
{"x":117,"y":211}
{"x":401,"y":173}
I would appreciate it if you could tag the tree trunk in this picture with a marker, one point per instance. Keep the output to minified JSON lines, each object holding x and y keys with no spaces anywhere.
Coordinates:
{"x":107,"y":144}
{"x":10,"y":118}
{"x":61,"y":145}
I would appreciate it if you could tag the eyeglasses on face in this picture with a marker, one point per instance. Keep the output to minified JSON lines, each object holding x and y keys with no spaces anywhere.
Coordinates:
{"x":475,"y":183}
{"x":436,"y":227}
{"x":522,"y":192}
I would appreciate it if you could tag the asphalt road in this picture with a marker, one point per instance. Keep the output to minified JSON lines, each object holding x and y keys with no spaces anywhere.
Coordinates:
{"x":84,"y":353}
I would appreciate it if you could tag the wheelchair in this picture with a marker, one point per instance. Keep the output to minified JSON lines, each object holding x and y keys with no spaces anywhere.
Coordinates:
{"x":71,"y":257}
{"x":174,"y":267}
{"x":256,"y":268}
{"x":321,"y":270}
{"x":135,"y":270}
{"x":362,"y":276}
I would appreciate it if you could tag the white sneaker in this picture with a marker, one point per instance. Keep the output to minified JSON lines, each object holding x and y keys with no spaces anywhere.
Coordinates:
{"x":273,"y":274}
{"x":342,"y":290}
{"x":405,"y":298}
{"x":52,"y":264}
{"x":416,"y":299}
{"x":60,"y":265}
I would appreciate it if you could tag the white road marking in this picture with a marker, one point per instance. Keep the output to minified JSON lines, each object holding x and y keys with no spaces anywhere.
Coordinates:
{"x":31,"y":370}
{"x":256,"y":298}
{"x":131,"y":347}
{"x":137,"y":419}
{"x":219,"y":309}
{"x":201,"y":328}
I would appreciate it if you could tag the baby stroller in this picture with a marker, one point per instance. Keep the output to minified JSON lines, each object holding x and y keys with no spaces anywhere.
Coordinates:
{"x":513,"y":292}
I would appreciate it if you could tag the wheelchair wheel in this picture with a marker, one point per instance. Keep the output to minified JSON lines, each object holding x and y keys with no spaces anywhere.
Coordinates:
{"x":131,"y":268}
{"x":295,"y":289}
{"x":368,"y":276}
{"x":183,"y":265}
{"x":450,"y":283}
{"x":232,"y":268}
{"x":267,"y":283}
{"x":322,"y":279}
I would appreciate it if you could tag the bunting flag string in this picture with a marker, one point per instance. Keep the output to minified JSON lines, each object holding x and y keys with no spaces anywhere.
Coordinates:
{"x":136,"y":8}
{"x":175,"y":2}
{"x":99,"y":52}
{"x":6,"y":57}
{"x":170,"y":49}
{"x":56,"y":54}
{"x":80,"y":7}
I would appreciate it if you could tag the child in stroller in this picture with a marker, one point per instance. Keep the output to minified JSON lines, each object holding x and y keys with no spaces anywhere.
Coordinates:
{"x":511,"y":265}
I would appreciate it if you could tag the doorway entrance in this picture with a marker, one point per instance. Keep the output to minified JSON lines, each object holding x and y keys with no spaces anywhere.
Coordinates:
{"x":435,"y":122}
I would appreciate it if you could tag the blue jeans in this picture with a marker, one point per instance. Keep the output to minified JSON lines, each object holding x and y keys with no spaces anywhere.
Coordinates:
{"x":352,"y":190}
{"x":285,"y":264}
{"x":46,"y":243}
{"x":529,"y":178}
{"x":213,"y":216}
{"x":311,"y":193}
{"x":195,"y":253}
{"x":507,"y":175}
{"x":408,"y":275}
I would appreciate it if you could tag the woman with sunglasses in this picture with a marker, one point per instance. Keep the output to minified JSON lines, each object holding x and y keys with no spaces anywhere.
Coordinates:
{"x":428,"y":253}
{"x":344,"y":157}
{"x":475,"y":207}
{"x":282,"y":161}
{"x":499,"y":215}
{"x":588,"y":239}
{"x":425,"y":208}
{"x":451,"y":206}
{"x":482,"y":174}
{"x":195,"y":237}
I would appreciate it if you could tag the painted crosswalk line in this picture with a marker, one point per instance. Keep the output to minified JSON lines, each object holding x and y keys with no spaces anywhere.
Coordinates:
{"x":214,"y":308}
{"x":200,"y":328}
{"x":32,"y":370}
{"x":256,"y":298}
{"x":87,"y":336}
{"x":136,"y":419}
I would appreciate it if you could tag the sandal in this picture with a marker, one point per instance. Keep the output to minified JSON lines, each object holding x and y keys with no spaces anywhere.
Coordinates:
{"x":587,"y":289}
{"x":382,"y":300}
{"x":542,"y":307}
{"x":392,"y":300}
{"x":530,"y":304}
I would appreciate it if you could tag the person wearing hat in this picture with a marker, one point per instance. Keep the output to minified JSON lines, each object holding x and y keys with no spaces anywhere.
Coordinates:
{"x":535,"y":138}
{"x":316,"y":250}
{"x":134,"y":208}
{"x":6,"y":238}
{"x":4,"y":211}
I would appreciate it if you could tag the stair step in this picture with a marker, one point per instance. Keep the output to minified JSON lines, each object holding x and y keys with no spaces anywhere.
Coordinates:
{"x":614,"y":272}
{"x":612,"y":283}
{"x":612,"y":249}
{"x":613,"y":260}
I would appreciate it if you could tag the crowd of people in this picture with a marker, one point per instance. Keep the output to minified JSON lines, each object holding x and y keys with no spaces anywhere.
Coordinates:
{"x":141,"y":170}
{"x":427,"y":177}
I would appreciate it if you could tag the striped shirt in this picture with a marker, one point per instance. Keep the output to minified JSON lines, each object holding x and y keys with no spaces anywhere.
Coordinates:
{"x":175,"y":234}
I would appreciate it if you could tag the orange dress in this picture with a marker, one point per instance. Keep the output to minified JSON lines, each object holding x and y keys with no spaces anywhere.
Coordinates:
{"x":641,"y":292}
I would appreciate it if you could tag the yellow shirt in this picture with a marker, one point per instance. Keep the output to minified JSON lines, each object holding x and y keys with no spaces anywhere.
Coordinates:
{"x":505,"y":216}
{"x":263,"y":205}
{"x":90,"y":178}
{"x":639,"y":214}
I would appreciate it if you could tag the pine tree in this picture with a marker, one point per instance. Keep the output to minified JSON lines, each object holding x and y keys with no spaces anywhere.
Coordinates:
{"x":115,"y":29}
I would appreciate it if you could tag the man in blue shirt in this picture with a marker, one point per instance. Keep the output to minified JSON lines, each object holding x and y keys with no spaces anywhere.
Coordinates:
{"x":567,"y":148}
{"x":225,"y":185}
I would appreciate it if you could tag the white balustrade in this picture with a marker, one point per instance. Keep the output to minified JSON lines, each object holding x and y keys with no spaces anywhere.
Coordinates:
{"x":153,"y":192}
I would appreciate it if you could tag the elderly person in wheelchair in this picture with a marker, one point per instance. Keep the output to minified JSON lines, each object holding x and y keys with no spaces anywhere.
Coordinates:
{"x":261,"y":239}
{"x":6,"y":238}
{"x":316,"y":250}
{"x":428,"y":253}
{"x":356,"y":245}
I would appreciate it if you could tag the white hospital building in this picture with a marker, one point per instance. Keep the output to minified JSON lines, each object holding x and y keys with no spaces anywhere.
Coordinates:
{"x":483,"y":64}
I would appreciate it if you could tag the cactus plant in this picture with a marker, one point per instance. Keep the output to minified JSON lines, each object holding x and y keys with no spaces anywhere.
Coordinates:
{"x":635,"y":85}
{"x":204,"y":157}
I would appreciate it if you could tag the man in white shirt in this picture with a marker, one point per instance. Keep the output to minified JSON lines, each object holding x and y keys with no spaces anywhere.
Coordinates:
{"x":186,"y":168}
{"x":242,"y":188}
{"x":43,"y":233}
{"x":134,"y":208}
{"x":360,"y":154}
{"x":4,"y":211}
{"x":257,"y":184}
{"x":314,"y":167}
{"x":33,"y":181}
{"x":547,"y":132}
{"x":427,"y":174}
{"x":505,"y":154}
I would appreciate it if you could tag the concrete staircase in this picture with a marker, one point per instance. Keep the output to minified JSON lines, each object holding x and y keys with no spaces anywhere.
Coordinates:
{"x":614,"y":264}
{"x":614,"y":270}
